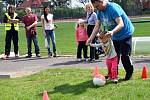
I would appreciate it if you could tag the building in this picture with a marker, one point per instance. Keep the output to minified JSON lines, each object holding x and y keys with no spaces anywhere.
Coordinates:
{"x":145,"y":4}
{"x":36,"y":5}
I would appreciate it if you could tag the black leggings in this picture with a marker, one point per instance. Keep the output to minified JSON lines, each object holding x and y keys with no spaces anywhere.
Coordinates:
{"x":11,"y":35}
{"x":92,"y":49}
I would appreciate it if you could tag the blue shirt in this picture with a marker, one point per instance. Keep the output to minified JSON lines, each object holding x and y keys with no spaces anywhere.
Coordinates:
{"x":107,"y":18}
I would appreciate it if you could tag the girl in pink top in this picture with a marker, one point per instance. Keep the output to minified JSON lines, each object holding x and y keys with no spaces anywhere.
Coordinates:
{"x":81,"y":37}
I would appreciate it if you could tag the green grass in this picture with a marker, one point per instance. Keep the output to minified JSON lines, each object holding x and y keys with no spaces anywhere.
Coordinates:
{"x":73,"y":84}
{"x":65,"y":38}
{"x":142,"y":29}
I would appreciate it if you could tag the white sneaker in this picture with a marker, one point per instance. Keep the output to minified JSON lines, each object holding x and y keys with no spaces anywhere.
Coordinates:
{"x":85,"y":59}
{"x":79,"y":59}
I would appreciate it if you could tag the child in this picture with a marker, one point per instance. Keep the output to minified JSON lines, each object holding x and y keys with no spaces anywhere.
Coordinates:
{"x":81,"y":37}
{"x":111,"y":56}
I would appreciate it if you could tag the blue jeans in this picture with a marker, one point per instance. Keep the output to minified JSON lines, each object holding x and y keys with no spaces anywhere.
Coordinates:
{"x":51,"y":34}
{"x":29,"y":45}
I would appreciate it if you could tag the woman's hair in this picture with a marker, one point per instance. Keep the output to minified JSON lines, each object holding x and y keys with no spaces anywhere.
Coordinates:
{"x":76,"y":26}
{"x":9,"y":13}
{"x":93,"y":1}
{"x":45,"y":14}
{"x":89,"y":5}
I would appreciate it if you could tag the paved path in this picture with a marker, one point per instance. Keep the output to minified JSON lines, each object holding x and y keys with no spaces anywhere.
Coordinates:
{"x":27,"y":66}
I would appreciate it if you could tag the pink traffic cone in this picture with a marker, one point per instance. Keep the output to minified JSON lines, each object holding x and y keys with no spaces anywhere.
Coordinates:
{"x":96,"y":71}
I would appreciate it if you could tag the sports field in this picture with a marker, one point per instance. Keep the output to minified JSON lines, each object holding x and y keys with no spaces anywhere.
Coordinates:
{"x":71,"y":83}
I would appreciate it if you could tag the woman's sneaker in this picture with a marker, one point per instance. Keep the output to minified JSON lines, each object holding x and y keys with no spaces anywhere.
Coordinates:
{"x":50,"y":54}
{"x":54,"y":54}
{"x":38,"y":55}
{"x":5,"y":57}
{"x":91,"y":60}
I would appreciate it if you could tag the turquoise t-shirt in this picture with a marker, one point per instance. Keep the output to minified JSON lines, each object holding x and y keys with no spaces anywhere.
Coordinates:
{"x":107,"y":18}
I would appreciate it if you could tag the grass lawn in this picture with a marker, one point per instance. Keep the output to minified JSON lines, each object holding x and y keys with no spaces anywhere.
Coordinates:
{"x":65,"y":38}
{"x":73,"y":84}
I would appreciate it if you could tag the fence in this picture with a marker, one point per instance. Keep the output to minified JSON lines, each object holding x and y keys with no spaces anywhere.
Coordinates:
{"x":141,"y":45}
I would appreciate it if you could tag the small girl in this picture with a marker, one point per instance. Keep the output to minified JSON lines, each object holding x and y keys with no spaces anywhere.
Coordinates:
{"x":111,"y":56}
{"x":81,"y":38}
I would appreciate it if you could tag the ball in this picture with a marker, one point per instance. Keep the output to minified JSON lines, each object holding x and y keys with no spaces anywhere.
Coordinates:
{"x":99,"y":81}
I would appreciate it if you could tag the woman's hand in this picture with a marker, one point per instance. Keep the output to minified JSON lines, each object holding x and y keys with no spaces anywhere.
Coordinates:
{"x":107,"y":36}
{"x":88,"y":41}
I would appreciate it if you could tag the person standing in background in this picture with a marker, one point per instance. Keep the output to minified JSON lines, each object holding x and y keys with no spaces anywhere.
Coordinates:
{"x":48,"y":30}
{"x":30,"y":21}
{"x":11,"y":20}
{"x":91,"y":21}
{"x":81,"y":37}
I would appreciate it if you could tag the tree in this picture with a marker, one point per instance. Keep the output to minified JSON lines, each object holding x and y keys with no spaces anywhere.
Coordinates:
{"x":1,"y":11}
{"x":131,"y":7}
{"x":9,"y":1}
{"x":61,"y":3}
{"x":83,"y":1}
{"x":13,"y":2}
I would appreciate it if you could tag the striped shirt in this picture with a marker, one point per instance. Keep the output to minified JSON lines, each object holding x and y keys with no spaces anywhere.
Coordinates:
{"x":108,"y":48}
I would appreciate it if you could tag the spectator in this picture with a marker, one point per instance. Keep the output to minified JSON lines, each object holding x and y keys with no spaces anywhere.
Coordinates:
{"x":30,"y":21}
{"x":91,"y":20}
{"x":118,"y":26}
{"x":48,"y":30}
{"x":81,"y":37}
{"x":11,"y":20}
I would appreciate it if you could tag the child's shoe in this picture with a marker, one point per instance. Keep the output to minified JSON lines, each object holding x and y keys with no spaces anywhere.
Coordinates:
{"x":115,"y":81}
{"x":16,"y":56}
{"x":79,"y":59}
{"x":5,"y":57}
{"x":107,"y":78}
{"x":86,"y":59}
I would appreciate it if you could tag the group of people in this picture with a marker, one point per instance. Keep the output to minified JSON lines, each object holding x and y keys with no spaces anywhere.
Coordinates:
{"x":115,"y":39}
{"x":84,"y":30}
{"x":12,"y":20}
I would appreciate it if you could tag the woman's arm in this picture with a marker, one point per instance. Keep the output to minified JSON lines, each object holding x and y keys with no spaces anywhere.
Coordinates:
{"x":95,"y":31}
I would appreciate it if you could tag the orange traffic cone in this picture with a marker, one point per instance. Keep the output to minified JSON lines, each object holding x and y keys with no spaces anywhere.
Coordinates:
{"x":45,"y":95}
{"x":144,"y":73}
{"x":96,"y":71}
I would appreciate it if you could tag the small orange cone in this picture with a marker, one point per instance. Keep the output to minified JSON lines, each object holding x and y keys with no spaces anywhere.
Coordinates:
{"x":144,"y":73}
{"x":45,"y":95}
{"x":96,"y":71}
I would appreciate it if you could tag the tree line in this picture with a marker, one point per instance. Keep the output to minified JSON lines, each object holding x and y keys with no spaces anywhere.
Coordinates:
{"x":63,"y":9}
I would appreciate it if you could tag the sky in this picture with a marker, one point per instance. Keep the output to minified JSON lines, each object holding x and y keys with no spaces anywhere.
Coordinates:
{"x":76,"y":4}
